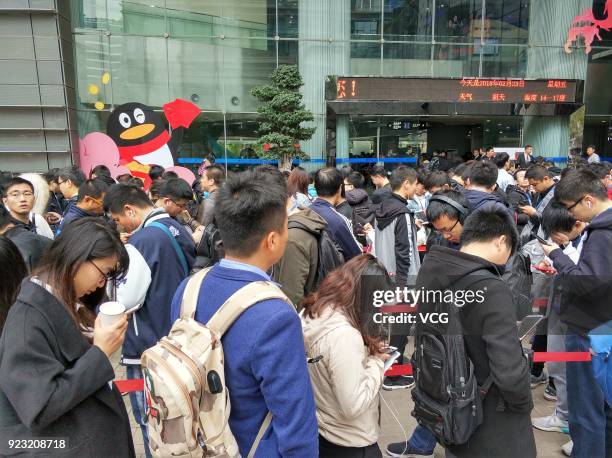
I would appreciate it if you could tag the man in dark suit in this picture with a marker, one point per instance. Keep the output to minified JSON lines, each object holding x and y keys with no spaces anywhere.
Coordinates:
{"x":526,"y":159}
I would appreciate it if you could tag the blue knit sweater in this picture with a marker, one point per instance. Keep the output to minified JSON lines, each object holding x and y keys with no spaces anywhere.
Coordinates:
{"x":265,"y":368}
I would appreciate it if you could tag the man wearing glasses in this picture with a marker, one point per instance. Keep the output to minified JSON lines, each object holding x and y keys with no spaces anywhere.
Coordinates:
{"x":90,"y":202}
{"x":174,"y":196}
{"x":586,"y":304}
{"x":69,"y":180}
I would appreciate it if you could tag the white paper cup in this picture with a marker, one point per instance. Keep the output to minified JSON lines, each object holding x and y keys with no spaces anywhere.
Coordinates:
{"x":111,"y":312}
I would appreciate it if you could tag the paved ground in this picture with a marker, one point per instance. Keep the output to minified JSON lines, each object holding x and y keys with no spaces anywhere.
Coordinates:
{"x":399,"y":404}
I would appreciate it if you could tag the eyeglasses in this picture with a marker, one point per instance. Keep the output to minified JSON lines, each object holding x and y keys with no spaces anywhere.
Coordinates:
{"x":577,"y":202}
{"x":17,"y":194}
{"x":446,"y":231}
{"x":182,"y":206}
{"x":107,"y":276}
{"x":97,"y":201}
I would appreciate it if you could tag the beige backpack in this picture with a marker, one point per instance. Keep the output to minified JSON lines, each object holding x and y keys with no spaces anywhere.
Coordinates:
{"x":188,"y":403}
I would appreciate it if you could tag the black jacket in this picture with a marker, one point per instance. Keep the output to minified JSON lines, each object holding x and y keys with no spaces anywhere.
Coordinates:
{"x":30,"y":245}
{"x":362,"y":211}
{"x":381,"y":194}
{"x":492,"y":343}
{"x":53,"y":383}
{"x":587,"y":286}
{"x":518,"y":198}
{"x":395,"y":241}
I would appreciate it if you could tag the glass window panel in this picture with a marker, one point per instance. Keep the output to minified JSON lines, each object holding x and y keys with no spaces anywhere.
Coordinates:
{"x":196,"y":71}
{"x":139,"y":70}
{"x":93,"y":61}
{"x":508,"y":61}
{"x":194,"y":18}
{"x":365,"y":59}
{"x":456,"y":60}
{"x":502,"y":131}
{"x":51,"y":94}
{"x":509,"y":20}
{"x":366,"y":19}
{"x":251,"y":19}
{"x":243,"y":69}
{"x":288,"y":52}
{"x":287,"y":18}
{"x":92,"y":121}
{"x":460,"y":22}
{"x":205,"y":136}
{"x":242,"y":138}
{"x":407,"y":59}
{"x":408,"y":20}
{"x":120,"y":16}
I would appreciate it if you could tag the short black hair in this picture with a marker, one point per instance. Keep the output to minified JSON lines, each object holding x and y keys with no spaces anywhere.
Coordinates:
{"x":600,"y":169}
{"x":14,"y":182}
{"x":100,"y":170}
{"x":169,"y":174}
{"x":215,"y":173}
{"x":577,"y":183}
{"x":92,"y":188}
{"x":5,"y":217}
{"x":401,"y":174}
{"x":557,"y":218}
{"x":436,"y":179}
{"x":592,"y":146}
{"x":488,"y":224}
{"x":155,"y":188}
{"x":328,"y":182}
{"x":124,"y":178}
{"x":356,"y":179}
{"x":439,"y":205}
{"x":51,"y":175}
{"x":501,"y":159}
{"x":345,"y":171}
{"x":73,"y":174}
{"x":175,"y":189}
{"x":528,"y":146}
{"x":537,"y":172}
{"x":484,"y":173}
{"x":106,"y":179}
{"x":458,"y":170}
{"x":250,"y":205}
{"x":156,"y":172}
{"x":380,"y":171}
{"x":490,"y":148}
{"x":136,"y":182}
{"x":120,"y":195}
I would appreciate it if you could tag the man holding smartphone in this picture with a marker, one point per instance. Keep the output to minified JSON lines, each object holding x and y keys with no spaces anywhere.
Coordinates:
{"x":586,"y":289}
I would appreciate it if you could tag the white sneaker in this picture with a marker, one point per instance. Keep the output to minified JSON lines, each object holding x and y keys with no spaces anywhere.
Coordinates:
{"x":550,"y":423}
{"x":567,"y":448}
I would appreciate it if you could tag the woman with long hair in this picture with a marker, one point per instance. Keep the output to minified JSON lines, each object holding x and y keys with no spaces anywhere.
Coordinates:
{"x":346,"y":367}
{"x":55,"y":364}
{"x":297,"y":186}
{"x":12,"y":271}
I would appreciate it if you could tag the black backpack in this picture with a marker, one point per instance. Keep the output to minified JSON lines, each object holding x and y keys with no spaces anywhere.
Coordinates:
{"x":330,"y":255}
{"x":447,"y":398}
{"x":210,"y":249}
{"x":519,"y":279}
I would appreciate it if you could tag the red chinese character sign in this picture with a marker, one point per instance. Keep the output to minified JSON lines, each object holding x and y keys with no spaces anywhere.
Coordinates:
{"x":587,"y":26}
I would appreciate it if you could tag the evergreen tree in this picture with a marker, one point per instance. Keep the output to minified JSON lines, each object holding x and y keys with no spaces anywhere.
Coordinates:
{"x":282,"y":113}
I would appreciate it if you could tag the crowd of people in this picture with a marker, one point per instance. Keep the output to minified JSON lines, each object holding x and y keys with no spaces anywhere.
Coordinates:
{"x":315,"y":356}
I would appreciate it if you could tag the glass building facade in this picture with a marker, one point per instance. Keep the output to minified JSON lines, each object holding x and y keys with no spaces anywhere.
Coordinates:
{"x":213,"y":52}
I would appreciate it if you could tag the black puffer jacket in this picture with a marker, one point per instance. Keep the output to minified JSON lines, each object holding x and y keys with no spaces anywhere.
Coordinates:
{"x":363,"y":211}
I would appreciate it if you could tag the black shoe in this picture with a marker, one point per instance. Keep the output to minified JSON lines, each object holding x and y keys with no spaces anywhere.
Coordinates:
{"x":405,"y":450}
{"x":398,"y":383}
{"x":550,"y":393}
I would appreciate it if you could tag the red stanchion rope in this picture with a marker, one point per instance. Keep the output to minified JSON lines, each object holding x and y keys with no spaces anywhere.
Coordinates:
{"x":127,"y":386}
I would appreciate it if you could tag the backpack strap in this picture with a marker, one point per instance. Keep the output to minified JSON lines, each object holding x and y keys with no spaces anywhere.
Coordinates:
{"x":175,"y":245}
{"x":260,"y":434}
{"x":189,"y":302}
{"x":241,"y":300}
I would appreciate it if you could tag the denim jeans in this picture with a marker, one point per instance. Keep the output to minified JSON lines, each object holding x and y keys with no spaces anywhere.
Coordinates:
{"x":423,"y":440}
{"x":139,"y":407}
{"x":590,"y":417}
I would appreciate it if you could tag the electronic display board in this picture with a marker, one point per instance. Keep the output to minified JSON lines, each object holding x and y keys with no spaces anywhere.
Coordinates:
{"x":463,"y":90}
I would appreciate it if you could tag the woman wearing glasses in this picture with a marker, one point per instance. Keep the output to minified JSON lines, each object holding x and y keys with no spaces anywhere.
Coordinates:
{"x":55,"y":364}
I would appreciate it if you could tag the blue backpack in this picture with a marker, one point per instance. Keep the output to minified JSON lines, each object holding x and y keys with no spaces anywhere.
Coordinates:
{"x":601,"y":344}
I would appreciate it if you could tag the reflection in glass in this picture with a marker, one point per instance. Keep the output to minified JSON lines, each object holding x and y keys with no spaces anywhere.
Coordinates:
{"x":409,"y":59}
{"x":205,"y":136}
{"x":408,"y":20}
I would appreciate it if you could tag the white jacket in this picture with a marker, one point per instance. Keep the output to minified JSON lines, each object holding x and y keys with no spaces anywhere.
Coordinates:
{"x":346,"y":381}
